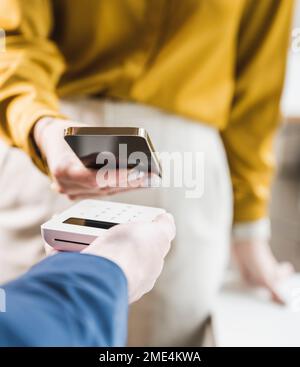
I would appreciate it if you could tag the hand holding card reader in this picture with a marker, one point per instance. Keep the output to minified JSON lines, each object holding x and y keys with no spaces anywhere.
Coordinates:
{"x":78,"y":226}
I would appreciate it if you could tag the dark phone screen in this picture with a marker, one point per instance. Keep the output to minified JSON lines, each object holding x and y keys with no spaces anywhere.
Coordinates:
{"x":90,"y":223}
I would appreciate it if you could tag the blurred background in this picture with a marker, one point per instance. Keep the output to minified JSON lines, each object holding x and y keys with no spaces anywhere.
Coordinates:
{"x":285,"y":208}
{"x":243,"y":316}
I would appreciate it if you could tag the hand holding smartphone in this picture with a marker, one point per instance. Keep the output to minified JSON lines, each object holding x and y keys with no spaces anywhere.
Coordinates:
{"x":114,"y":147}
{"x":68,"y":173}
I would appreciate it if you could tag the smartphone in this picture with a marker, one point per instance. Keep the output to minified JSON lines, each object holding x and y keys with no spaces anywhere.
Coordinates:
{"x":114,"y":147}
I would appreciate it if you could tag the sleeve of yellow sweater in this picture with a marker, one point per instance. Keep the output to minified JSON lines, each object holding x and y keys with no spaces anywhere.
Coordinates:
{"x":261,"y":55}
{"x":30,"y":68}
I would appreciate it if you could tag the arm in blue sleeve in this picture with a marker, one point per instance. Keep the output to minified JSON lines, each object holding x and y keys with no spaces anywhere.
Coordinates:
{"x":68,"y":299}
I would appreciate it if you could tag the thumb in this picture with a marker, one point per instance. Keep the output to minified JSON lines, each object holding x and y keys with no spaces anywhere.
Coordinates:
{"x":166,"y":223}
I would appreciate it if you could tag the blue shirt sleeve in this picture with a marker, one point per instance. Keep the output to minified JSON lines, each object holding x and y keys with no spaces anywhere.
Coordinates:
{"x":68,"y":299}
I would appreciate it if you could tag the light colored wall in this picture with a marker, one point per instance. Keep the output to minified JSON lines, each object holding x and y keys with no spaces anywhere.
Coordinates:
{"x":297,"y":14}
{"x":290,"y":99}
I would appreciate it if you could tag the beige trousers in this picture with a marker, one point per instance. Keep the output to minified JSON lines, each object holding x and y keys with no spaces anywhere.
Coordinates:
{"x":173,"y":314}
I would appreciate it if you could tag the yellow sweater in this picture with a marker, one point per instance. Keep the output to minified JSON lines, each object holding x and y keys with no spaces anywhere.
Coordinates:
{"x":217,"y":61}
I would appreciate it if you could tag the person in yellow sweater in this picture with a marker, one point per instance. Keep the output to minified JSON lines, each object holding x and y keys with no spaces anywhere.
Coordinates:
{"x":200,"y":75}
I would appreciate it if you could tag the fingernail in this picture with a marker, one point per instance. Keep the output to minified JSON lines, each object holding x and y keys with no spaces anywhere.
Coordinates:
{"x":54,"y":186}
{"x":134,"y":175}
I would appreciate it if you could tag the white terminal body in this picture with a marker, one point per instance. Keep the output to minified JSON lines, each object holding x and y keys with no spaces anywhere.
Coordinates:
{"x":78,"y":226}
